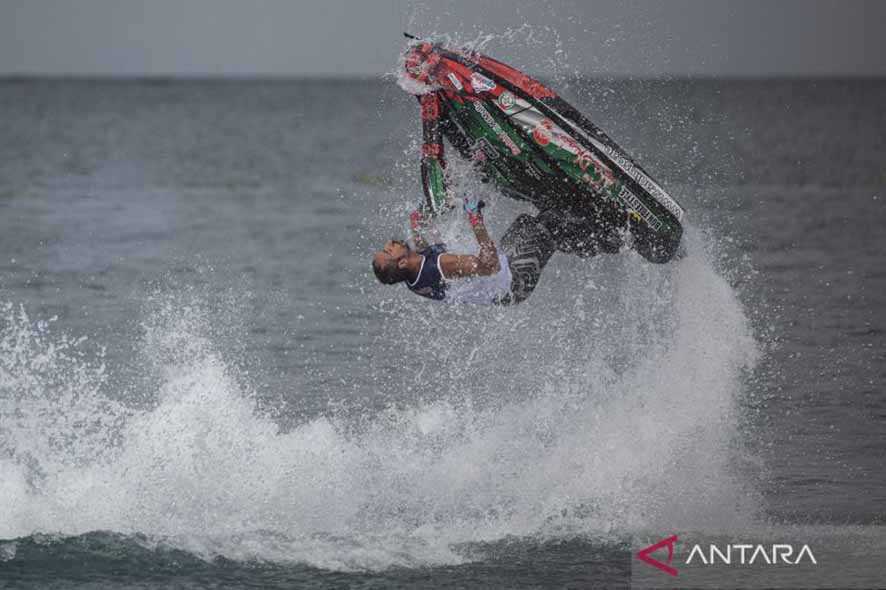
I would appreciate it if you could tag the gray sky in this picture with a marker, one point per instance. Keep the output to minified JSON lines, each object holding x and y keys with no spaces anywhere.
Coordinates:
{"x":339,"y":37}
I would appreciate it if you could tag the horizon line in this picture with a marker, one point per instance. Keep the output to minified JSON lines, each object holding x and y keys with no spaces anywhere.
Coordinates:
{"x":332,"y":77}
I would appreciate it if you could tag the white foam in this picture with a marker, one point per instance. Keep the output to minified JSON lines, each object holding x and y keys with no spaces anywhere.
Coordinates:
{"x":613,"y":412}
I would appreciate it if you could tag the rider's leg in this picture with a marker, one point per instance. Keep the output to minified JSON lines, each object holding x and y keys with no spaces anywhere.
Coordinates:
{"x":528,"y":246}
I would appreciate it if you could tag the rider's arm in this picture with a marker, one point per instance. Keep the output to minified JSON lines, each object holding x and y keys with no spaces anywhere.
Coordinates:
{"x":485,"y":262}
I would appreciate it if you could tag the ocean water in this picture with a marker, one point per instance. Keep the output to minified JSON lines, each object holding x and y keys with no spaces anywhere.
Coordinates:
{"x":202,"y":384}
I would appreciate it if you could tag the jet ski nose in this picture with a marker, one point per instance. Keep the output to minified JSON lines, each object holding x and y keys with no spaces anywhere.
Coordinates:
{"x":420,"y":61}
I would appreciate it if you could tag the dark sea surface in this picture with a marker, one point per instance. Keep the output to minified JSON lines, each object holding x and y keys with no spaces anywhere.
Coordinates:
{"x":202,"y":384}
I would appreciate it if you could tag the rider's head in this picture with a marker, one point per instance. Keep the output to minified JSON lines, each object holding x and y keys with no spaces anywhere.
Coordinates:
{"x":420,"y":61}
{"x":390,"y":263}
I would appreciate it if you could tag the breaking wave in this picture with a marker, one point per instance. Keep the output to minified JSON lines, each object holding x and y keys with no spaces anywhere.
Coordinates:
{"x":607,"y":407}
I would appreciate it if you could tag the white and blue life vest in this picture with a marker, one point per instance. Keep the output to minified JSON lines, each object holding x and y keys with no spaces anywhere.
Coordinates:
{"x":431,"y":283}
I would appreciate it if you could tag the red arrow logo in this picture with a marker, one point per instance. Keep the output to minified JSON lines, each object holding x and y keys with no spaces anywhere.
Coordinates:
{"x":644,"y":555}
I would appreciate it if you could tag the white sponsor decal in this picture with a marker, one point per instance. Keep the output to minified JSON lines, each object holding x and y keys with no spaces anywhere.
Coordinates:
{"x":635,"y":204}
{"x":481,"y":83}
{"x":455,"y":81}
{"x":499,"y":132}
{"x":644,"y":181}
{"x":506,"y":100}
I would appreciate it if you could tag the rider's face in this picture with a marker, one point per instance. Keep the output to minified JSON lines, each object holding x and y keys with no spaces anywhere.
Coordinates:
{"x":396,"y":249}
{"x":393,"y":249}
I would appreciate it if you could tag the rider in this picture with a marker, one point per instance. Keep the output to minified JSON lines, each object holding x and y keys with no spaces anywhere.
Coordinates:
{"x":489,"y":277}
